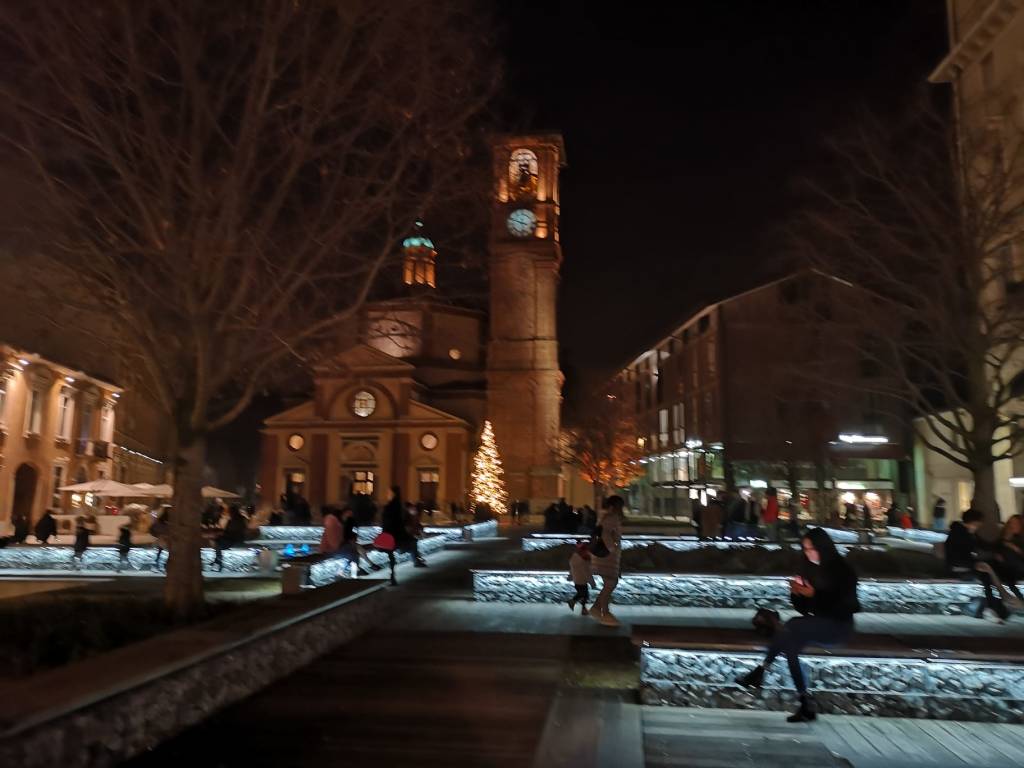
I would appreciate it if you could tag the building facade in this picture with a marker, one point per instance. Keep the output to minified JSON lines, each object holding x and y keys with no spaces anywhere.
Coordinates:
{"x":985,"y":68}
{"x":57,"y":428}
{"x":748,"y":393}
{"x":405,"y":403}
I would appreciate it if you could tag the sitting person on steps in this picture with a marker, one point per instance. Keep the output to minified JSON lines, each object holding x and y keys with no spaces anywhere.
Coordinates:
{"x":825,"y":594}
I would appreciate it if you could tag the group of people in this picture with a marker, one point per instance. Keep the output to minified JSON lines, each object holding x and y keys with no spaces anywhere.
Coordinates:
{"x":560,"y":517}
{"x":998,"y":565}
{"x":734,"y":515}
{"x":401,"y":529}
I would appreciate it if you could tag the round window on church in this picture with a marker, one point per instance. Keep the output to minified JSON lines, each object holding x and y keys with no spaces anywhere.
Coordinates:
{"x":295,"y":442}
{"x":455,"y":353}
{"x":364,"y":404}
{"x":428,"y":441}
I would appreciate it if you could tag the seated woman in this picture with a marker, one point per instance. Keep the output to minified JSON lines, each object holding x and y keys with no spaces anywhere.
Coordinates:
{"x":825,"y":593}
{"x":1009,"y":554}
{"x":963,"y":560}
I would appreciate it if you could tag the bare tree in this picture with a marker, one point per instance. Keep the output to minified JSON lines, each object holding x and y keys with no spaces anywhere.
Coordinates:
{"x":927,"y":221}
{"x":225,"y":182}
{"x":602,"y":444}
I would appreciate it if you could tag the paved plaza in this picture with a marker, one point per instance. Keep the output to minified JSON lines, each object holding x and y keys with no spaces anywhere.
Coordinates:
{"x":447,"y":681}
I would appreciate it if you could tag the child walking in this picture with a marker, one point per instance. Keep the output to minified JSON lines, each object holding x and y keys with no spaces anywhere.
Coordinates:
{"x":582,"y":576}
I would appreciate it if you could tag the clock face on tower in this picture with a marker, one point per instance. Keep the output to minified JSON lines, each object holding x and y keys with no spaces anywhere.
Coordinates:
{"x":521,"y":222}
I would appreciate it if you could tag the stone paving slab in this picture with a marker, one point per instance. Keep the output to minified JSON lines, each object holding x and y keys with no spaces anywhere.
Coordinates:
{"x":860,"y":742}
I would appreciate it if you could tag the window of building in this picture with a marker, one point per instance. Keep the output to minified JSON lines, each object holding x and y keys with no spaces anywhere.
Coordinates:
{"x":659,"y":389}
{"x":3,"y":402}
{"x":362,"y":482}
{"x":364,"y":404}
{"x":85,"y":428}
{"x":663,"y":425}
{"x":58,"y":481}
{"x":34,"y":412}
{"x":429,"y":479}
{"x":711,"y":356}
{"x":107,"y":423}
{"x":704,"y":323}
{"x":65,"y":413}
{"x":678,"y":427}
{"x":522,"y":173}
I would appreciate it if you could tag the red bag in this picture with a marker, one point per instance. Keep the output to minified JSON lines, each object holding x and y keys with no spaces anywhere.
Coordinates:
{"x":385,"y":541}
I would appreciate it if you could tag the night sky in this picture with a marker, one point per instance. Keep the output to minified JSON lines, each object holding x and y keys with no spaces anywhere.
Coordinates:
{"x":688,"y":127}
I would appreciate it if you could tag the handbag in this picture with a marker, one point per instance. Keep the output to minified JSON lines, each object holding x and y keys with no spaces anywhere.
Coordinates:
{"x":597,"y":546}
{"x":385,"y":542}
{"x":766,"y":622}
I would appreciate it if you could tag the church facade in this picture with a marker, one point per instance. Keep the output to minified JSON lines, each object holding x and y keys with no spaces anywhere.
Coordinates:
{"x":405,"y":404}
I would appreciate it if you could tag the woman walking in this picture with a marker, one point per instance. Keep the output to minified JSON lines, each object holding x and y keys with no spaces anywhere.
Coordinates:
{"x":825,"y":593}
{"x":605,"y":552}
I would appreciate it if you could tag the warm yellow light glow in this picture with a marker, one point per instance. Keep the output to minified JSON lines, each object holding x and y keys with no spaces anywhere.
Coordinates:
{"x":488,"y":485}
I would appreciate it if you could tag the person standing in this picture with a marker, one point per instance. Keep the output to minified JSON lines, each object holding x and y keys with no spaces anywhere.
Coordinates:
{"x":46,"y":527}
{"x":160,"y":530}
{"x":771,"y":514}
{"x":81,"y":539}
{"x":711,"y":520}
{"x":606,"y":551}
{"x":124,"y":545}
{"x":825,"y":594}
{"x":939,"y":514}
{"x":395,"y":523}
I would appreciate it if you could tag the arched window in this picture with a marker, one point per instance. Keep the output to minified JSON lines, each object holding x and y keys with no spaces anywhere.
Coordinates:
{"x":522,"y":173}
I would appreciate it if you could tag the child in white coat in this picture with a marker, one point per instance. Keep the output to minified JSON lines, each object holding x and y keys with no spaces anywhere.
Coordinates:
{"x":581,"y":575}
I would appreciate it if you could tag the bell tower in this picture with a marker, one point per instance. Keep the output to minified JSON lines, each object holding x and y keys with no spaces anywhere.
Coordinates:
{"x":524,"y":383}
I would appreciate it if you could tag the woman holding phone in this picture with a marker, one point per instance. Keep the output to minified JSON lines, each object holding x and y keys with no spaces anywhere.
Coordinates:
{"x":825,"y":594}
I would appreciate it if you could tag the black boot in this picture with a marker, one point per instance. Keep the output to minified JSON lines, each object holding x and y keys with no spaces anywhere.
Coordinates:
{"x":753,"y":678}
{"x":805,"y":713}
{"x":420,"y":563}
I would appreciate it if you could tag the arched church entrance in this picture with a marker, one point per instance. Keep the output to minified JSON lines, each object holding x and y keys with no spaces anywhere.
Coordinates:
{"x":25,"y":479}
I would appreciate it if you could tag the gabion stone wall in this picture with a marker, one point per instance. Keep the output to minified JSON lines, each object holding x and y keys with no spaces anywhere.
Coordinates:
{"x":917,"y":534}
{"x":326,"y":571}
{"x":101,"y":728}
{"x":711,"y":591}
{"x":105,"y":559}
{"x":886,"y":687}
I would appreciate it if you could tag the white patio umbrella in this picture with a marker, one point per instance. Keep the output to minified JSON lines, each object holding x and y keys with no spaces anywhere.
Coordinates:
{"x":104,"y":488}
{"x":161,"y":491}
{"x":210,"y":492}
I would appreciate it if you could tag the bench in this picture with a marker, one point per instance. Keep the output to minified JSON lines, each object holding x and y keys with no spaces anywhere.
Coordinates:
{"x":105,"y":559}
{"x":684,"y":590}
{"x":971,"y":679}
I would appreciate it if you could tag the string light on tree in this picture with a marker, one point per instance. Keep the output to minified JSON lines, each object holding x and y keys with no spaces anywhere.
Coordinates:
{"x":488,"y":485}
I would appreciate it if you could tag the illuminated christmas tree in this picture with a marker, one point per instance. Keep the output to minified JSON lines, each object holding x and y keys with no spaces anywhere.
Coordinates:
{"x":488,"y":486}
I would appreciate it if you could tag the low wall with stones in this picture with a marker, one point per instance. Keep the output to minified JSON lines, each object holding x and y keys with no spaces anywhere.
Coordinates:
{"x":946,"y":689}
{"x":107,"y":709}
{"x":323,"y":571}
{"x":19,"y":559}
{"x":269,"y":535}
{"x":917,"y":534}
{"x":713,"y":591}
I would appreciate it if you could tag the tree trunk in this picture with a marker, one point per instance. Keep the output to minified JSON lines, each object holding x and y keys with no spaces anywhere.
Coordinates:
{"x":984,"y":498}
{"x":183,"y":590}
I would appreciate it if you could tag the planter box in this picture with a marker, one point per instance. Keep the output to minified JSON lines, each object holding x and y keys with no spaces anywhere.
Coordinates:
{"x":944,"y":689}
{"x":713,"y":591}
